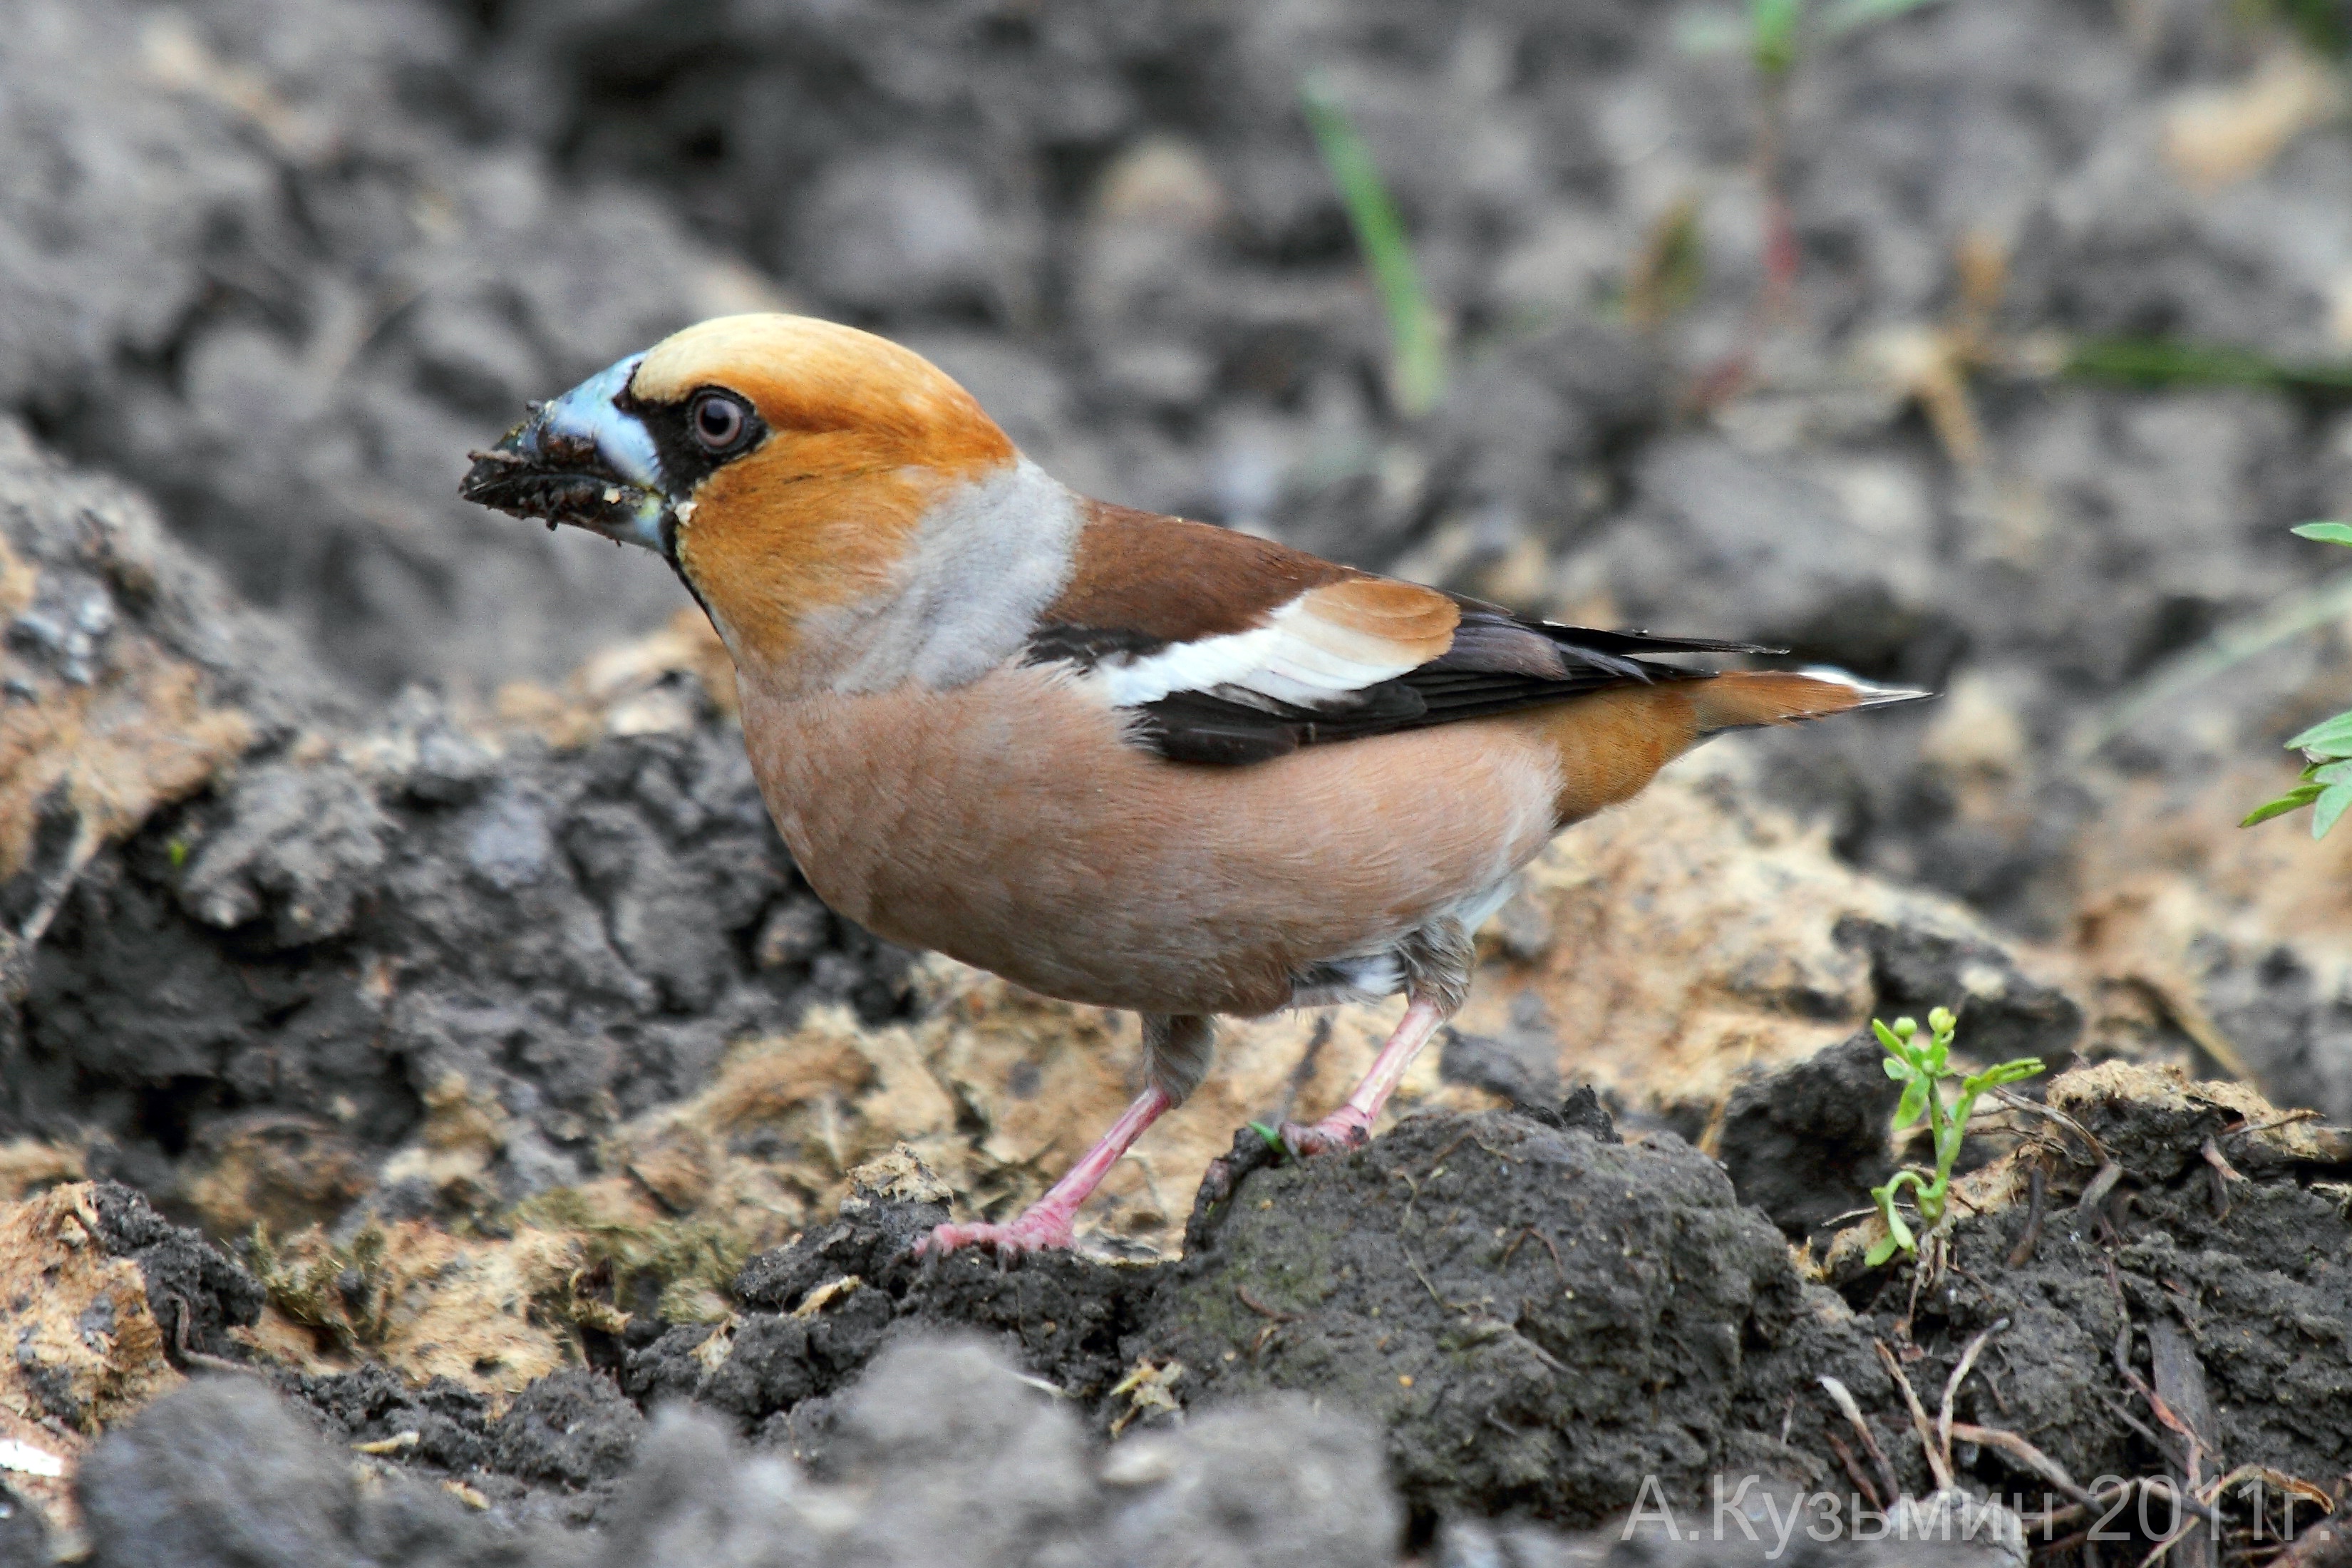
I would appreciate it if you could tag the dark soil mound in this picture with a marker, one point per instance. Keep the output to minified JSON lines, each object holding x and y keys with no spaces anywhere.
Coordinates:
{"x":2228,"y":1295}
{"x":1538,"y":1318}
{"x":819,"y":1310}
{"x":283,"y":973}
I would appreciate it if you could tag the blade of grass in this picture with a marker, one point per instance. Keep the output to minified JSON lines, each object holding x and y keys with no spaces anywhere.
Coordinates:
{"x":1847,"y":14}
{"x":2165,"y":362}
{"x":1417,"y":368}
{"x":2315,"y":607}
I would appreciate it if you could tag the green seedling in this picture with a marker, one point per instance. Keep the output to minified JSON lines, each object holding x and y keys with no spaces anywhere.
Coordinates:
{"x":1773,"y":33}
{"x":2326,"y":785}
{"x":1417,"y":367}
{"x":1923,"y":1068}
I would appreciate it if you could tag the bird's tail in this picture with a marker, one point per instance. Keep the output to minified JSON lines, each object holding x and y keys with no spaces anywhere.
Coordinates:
{"x":1746,"y":698}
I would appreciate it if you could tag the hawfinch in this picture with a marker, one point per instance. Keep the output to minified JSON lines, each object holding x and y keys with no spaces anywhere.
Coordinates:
{"x":1115,"y":757}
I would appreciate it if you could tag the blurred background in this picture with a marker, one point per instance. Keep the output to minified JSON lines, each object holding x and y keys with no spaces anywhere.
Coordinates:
{"x":1992,"y":345}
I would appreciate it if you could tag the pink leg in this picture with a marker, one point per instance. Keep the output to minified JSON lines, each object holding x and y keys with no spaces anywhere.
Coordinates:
{"x":1351,"y":1126}
{"x":1045,"y":1224}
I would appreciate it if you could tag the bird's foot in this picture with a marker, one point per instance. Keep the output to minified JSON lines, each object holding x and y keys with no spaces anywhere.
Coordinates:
{"x":1346,"y":1127}
{"x":1039,"y":1230}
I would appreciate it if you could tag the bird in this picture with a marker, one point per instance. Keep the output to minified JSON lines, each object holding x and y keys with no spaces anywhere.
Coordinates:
{"x":1122,"y":759}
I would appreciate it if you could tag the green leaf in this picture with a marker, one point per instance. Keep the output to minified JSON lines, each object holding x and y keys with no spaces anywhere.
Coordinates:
{"x":1273,"y":1138}
{"x":2328,"y":807}
{"x":2326,"y":532}
{"x":2295,"y":799}
{"x":1898,"y":1235}
{"x":1890,"y":1041}
{"x":1914,"y":1106}
{"x":2335,"y":732}
{"x":1992,"y":1077}
{"x":1772,"y":34}
{"x":1898,"y":1069}
{"x":2329,"y":773}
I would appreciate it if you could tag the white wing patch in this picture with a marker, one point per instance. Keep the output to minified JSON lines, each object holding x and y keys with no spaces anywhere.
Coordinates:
{"x":1302,"y":656}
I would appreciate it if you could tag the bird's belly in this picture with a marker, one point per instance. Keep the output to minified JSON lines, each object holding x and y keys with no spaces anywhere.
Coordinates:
{"x":1008,"y":825}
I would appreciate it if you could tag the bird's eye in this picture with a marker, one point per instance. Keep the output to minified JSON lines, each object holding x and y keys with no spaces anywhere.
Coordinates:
{"x":719,"y":421}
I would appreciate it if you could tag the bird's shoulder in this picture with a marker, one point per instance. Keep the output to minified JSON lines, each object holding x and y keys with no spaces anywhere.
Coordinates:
{"x":1141,"y":584}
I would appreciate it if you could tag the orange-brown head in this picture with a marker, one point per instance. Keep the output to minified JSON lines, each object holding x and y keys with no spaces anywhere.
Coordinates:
{"x":784,"y":466}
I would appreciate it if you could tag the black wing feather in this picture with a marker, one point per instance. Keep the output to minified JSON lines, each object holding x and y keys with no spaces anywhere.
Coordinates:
{"x":1499,"y":663}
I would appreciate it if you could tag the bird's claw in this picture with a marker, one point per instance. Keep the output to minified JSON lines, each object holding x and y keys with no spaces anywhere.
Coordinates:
{"x":1335,"y":1134}
{"x":1032,"y":1232}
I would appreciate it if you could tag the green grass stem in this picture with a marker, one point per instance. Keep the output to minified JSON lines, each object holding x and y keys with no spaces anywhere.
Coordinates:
{"x":1417,"y":362}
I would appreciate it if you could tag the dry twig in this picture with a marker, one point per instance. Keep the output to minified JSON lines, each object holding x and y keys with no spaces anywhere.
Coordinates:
{"x":1845,"y":1398}
{"x":1939,"y":1466}
{"x":1952,"y":1387}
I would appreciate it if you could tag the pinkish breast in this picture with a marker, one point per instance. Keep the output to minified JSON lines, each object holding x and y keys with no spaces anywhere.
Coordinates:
{"x":1009,"y":825}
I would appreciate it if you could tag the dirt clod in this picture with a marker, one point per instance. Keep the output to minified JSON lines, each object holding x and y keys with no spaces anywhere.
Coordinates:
{"x":1497,"y":1295}
{"x":1807,"y":1143}
{"x":573,"y":1427}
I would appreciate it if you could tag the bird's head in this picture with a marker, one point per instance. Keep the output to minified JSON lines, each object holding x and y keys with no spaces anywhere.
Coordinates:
{"x":782,"y":465}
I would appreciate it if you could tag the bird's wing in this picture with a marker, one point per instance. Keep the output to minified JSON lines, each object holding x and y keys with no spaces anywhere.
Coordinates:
{"x":1232,"y":650}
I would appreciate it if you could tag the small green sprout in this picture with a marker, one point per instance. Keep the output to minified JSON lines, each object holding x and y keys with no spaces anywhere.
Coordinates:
{"x":1922,"y":1069}
{"x":1417,"y":368}
{"x":1774,"y":32}
{"x":2326,"y":785}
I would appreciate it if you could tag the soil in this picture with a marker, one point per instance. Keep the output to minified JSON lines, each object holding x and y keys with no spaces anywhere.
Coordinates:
{"x":1501,"y":1318}
{"x":384,"y":892}
{"x":1503,"y":1323}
